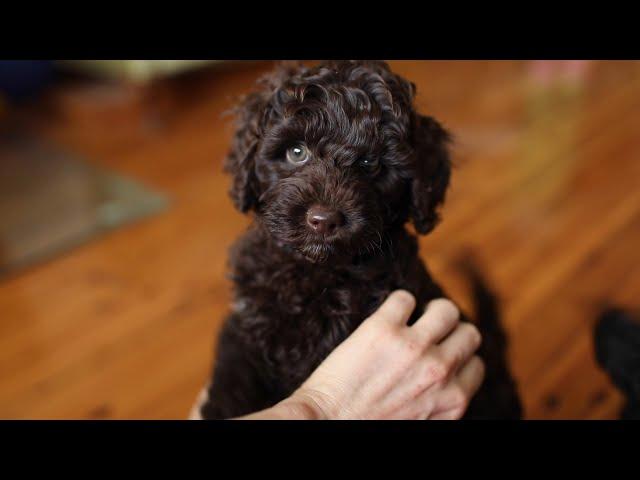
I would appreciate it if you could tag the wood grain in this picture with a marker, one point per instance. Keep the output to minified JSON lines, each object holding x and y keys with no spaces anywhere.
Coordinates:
{"x":545,"y":191}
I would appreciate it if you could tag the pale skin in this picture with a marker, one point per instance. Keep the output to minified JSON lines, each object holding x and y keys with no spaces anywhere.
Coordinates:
{"x":388,"y":370}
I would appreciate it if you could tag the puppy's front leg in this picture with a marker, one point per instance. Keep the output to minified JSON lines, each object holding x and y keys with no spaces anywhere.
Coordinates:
{"x":236,"y":388}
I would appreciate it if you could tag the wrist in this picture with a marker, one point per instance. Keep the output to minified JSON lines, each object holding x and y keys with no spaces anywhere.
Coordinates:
{"x":316,"y":403}
{"x":308,"y":404}
{"x":301,"y":405}
{"x":292,"y":408}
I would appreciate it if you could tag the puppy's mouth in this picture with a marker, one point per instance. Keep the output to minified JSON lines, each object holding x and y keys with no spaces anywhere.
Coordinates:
{"x":317,"y":252}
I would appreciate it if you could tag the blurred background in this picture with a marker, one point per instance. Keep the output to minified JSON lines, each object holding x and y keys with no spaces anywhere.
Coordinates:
{"x":115,"y":223}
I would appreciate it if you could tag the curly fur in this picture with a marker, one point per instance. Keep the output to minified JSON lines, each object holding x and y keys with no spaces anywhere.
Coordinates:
{"x":297,"y":296}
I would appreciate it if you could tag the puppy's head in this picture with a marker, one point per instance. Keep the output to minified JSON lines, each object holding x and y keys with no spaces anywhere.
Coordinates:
{"x":330,"y":158}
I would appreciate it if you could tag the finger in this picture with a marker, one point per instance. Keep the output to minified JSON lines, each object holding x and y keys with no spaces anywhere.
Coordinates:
{"x":471,"y":376}
{"x":439,"y":319}
{"x":459,"y":346}
{"x":455,"y":397}
{"x":396,"y":309}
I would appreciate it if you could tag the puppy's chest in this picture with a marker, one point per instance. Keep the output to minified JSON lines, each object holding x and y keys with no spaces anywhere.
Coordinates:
{"x":295,"y":316}
{"x":290,"y":314}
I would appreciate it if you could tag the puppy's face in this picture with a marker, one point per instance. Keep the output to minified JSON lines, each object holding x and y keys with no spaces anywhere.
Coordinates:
{"x":332,"y":158}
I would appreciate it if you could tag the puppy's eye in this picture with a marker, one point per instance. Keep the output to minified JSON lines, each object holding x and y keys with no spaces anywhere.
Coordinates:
{"x":298,"y":154}
{"x":369,"y":163}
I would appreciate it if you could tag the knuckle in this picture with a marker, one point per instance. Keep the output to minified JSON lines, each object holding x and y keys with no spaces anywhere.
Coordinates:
{"x":410,"y":350}
{"x":395,"y":334}
{"x":380,"y":329}
{"x":412,"y":344}
{"x":437,"y":371}
{"x":451,"y":359}
{"x":381,"y":334}
{"x":397,"y":339}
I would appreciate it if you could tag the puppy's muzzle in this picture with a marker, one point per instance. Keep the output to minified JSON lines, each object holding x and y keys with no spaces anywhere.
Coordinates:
{"x":324,"y":220}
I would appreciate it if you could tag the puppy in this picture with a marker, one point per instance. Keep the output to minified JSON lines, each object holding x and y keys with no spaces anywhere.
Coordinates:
{"x":333,"y":161}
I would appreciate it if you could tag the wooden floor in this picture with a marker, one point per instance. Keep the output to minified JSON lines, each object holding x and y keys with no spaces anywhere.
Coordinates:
{"x":546,"y":191}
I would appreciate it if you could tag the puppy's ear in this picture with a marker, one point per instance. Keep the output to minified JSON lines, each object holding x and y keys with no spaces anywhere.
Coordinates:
{"x":431,"y":174}
{"x":252,"y":117}
{"x":240,"y":162}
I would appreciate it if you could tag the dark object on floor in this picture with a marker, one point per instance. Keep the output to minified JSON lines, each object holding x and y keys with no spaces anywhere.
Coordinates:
{"x":51,"y":200}
{"x":617,"y":346}
{"x":333,"y":161}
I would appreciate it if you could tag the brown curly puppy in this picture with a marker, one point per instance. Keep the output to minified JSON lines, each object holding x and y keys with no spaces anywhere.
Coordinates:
{"x":333,"y":161}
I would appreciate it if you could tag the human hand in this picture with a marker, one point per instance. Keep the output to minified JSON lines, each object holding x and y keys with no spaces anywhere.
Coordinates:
{"x":388,"y":370}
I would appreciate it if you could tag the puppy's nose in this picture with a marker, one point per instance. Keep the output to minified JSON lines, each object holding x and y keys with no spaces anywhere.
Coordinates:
{"x":324,"y":220}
